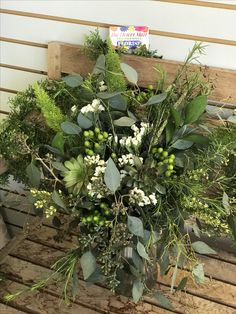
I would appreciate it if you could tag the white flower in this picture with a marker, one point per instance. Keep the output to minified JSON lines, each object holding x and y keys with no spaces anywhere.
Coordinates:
{"x":94,"y":107}
{"x":103,"y":88}
{"x":101,"y":83}
{"x":137,"y":196}
{"x":73,"y":108}
{"x":153,"y":199}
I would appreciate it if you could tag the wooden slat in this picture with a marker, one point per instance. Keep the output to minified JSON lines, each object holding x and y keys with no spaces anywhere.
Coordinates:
{"x":106,"y":25}
{"x":16,"y":67}
{"x":215,"y":5}
{"x":192,"y":304}
{"x":5,"y":309}
{"x":73,"y":60}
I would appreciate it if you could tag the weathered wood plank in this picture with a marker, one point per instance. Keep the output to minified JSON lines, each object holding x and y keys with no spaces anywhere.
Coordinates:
{"x":5,"y":309}
{"x":41,"y":302}
{"x":73,"y":60}
{"x":40,"y":255}
{"x":97,"y":297}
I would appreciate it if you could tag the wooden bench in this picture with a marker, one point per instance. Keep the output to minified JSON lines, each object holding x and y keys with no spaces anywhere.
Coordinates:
{"x":29,"y":255}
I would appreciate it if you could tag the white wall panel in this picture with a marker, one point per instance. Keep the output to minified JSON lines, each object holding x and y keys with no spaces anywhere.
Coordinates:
{"x":180,"y":18}
{"x":171,"y":48}
{"x":24,"y":56}
{"x":18,"y":80}
{"x":4,"y":98}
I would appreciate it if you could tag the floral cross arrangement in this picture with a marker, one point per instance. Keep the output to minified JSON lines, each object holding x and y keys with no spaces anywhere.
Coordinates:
{"x":132,"y":172}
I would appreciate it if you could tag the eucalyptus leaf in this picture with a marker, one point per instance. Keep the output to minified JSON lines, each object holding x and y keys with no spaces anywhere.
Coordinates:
{"x":70,"y":128}
{"x":160,"y":188}
{"x":195,"y":109}
{"x":142,"y":251}
{"x":88,"y":264}
{"x":225,"y":202}
{"x":198,"y":273}
{"x":107,"y":95}
{"x":163,"y":300}
{"x":182,"y":284}
{"x":135,"y":226}
{"x":112,"y":176}
{"x":197,"y":138}
{"x":57,"y":199}
{"x":202,"y":248}
{"x":124,"y":121}
{"x":137,"y":290}
{"x":73,"y":80}
{"x":118,"y":102}
{"x":84,"y":121}
{"x":59,"y":166}
{"x":130,"y":73}
{"x":232,"y":119}
{"x":100,"y":65}
{"x":33,"y":174}
{"x":182,"y":144}
{"x":59,"y":141}
{"x":156,"y":99}
{"x":176,"y":116}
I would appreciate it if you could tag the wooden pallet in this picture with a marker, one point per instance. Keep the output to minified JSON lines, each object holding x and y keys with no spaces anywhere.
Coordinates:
{"x":31,"y":258}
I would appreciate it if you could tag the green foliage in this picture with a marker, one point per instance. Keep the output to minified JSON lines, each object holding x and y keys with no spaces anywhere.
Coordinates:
{"x":114,"y":77}
{"x":50,"y":111}
{"x":94,"y":45}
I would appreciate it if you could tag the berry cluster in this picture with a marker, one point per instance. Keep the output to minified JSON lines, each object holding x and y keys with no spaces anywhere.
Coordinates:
{"x":93,"y":140}
{"x":164,"y":160}
{"x":98,"y":217}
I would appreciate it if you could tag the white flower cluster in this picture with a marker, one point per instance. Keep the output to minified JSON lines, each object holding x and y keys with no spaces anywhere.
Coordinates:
{"x":94,"y":107}
{"x":96,"y":187}
{"x":136,"y":140}
{"x":102,"y":86}
{"x":137,"y":196}
{"x":128,"y":159}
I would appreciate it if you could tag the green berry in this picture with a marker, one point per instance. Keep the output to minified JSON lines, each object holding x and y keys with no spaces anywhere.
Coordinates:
{"x":97,"y":130}
{"x":170,"y":167}
{"x":164,"y":154}
{"x":171,"y":161}
{"x":101,"y":222}
{"x":89,"y":219}
{"x":103,"y":205}
{"x":86,"y":133}
{"x":90,"y":152}
{"x":154,"y":150}
{"x":160,"y":150}
{"x":168,"y":173}
{"x":83,"y":219}
{"x":166,"y":161}
{"x":107,"y":212}
{"x":100,"y":137}
{"x":150,"y":87}
{"x":172,"y":156}
{"x":113,"y":155}
{"x":95,"y":218}
{"x":87,"y":144}
{"x":91,"y":133}
{"x":160,"y":163}
{"x":105,"y":135}
{"x":97,"y":146}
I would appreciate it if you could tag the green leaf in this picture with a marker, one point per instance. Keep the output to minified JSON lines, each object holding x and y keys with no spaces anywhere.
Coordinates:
{"x":70,"y":128}
{"x":124,"y":121}
{"x":225,"y":202}
{"x":195,"y":109}
{"x":135,"y":226}
{"x":73,"y":80}
{"x":142,"y":251}
{"x":164,"y":301}
{"x":182,"y":144}
{"x":156,"y":99}
{"x":57,"y":199}
{"x":33,"y":174}
{"x":232,"y":119}
{"x":232,"y":224}
{"x":100,"y":65}
{"x":176,"y":116}
{"x":118,"y":102}
{"x":160,"y":188}
{"x":88,"y":264}
{"x":107,"y":95}
{"x":164,"y":262}
{"x":182,"y":284}
{"x":196,"y":138}
{"x":112,"y":176}
{"x":137,"y":290}
{"x":198,"y":273}
{"x":130,"y":73}
{"x":202,"y":248}
{"x":59,"y":166}
{"x":84,"y":121}
{"x":59,"y":141}
{"x":169,"y":130}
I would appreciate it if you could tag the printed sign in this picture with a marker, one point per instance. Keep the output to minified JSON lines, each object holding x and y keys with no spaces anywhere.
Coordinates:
{"x":129,"y":36}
